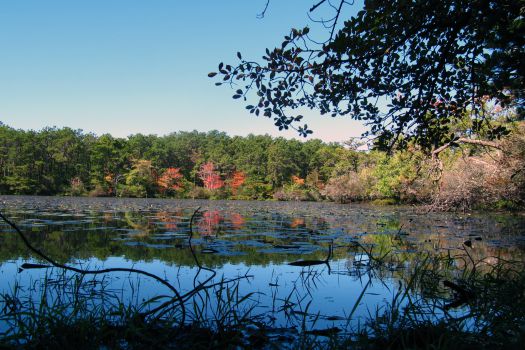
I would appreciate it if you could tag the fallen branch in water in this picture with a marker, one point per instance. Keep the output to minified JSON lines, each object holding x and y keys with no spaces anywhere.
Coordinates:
{"x":305,"y":263}
{"x":38,"y":252}
{"x":166,"y":307}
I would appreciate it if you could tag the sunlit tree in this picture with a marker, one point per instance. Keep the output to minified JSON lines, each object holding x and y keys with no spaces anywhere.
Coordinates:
{"x":210,"y":177}
{"x":237,"y":181}
{"x":171,"y":179}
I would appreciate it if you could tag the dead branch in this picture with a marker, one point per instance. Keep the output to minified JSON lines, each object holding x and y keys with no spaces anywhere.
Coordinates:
{"x":178,"y":298}
{"x":435,"y":153}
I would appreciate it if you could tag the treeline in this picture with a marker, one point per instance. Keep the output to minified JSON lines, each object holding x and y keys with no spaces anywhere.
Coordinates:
{"x":214,"y":165}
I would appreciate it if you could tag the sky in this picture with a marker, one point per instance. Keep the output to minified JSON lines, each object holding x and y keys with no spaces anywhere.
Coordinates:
{"x":140,"y":66}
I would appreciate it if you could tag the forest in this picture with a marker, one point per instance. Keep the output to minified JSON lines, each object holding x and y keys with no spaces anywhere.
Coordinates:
{"x":63,"y":161}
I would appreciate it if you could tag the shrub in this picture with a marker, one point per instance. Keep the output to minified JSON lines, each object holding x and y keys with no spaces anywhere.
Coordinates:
{"x":98,"y":191}
{"x":475,"y":182}
{"x":253,"y":189}
{"x":198,"y":192}
{"x":347,"y":188}
{"x":134,"y":191}
{"x":76,"y":187}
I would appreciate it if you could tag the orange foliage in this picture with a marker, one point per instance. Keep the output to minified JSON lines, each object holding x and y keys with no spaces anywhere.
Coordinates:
{"x":297,"y":180}
{"x":237,"y":181}
{"x":110,"y":179}
{"x":170,"y":180}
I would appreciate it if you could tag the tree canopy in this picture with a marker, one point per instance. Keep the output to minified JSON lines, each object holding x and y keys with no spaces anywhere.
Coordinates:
{"x":408,"y":69}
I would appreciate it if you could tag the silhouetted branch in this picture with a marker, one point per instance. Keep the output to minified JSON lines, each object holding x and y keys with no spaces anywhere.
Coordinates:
{"x":491,"y":144}
{"x":38,"y":252}
{"x":317,"y":5}
{"x":261,"y":15}
{"x":336,"y":19}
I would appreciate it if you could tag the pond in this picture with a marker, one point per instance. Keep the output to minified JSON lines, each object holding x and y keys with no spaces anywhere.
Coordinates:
{"x":285,"y":263}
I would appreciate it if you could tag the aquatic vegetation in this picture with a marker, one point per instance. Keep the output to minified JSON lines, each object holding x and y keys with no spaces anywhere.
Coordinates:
{"x":269,"y":277}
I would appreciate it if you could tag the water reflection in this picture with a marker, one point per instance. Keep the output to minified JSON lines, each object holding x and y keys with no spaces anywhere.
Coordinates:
{"x":262,"y":238}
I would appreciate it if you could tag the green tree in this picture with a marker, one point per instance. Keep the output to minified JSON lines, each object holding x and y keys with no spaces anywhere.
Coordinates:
{"x":251,"y":155}
{"x":283,"y":158}
{"x":141,"y":180}
{"x":108,"y":160}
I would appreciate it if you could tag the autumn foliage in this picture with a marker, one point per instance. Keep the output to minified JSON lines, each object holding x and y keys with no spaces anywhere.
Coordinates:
{"x":210,"y":177}
{"x":170,"y":180}
{"x":237,"y":181}
{"x":297,"y":180}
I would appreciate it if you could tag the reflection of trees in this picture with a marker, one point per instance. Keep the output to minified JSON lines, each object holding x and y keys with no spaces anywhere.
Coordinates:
{"x":89,"y":244}
{"x":237,"y":221}
{"x":168,"y":219}
{"x":209,"y":222}
{"x":138,"y":222}
{"x":108,"y":234}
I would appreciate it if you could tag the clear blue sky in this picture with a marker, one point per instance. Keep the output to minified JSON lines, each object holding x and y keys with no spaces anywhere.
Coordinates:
{"x":130,"y":66}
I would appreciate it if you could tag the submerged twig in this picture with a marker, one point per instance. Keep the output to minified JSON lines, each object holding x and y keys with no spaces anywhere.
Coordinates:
{"x":38,"y":252}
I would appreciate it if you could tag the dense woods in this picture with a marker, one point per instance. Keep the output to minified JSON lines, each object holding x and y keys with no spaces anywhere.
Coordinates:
{"x":214,"y":165}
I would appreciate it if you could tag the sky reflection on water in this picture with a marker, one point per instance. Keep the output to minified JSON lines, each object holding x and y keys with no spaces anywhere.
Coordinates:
{"x":238,"y":238}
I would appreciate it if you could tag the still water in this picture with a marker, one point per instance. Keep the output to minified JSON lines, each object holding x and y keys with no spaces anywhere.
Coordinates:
{"x":278,"y":253}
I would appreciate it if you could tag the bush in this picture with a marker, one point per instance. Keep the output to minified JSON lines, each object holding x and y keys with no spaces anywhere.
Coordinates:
{"x":98,"y":191}
{"x":76,"y":187}
{"x":476,"y":182}
{"x":485,"y":178}
{"x":255,"y":190}
{"x":198,"y":192}
{"x":394,"y":175}
{"x":347,"y":188}
{"x":290,"y":194}
{"x":133,"y":191}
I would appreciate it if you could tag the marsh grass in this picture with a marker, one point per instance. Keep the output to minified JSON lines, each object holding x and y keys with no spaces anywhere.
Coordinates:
{"x":65,"y":311}
{"x":482,"y":307}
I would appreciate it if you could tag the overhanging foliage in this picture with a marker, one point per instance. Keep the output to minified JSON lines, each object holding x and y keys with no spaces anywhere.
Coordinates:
{"x":408,"y":69}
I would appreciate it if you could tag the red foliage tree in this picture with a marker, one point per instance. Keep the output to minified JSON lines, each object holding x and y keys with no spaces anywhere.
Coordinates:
{"x":170,"y":180}
{"x":237,"y":181}
{"x":210,"y":177}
